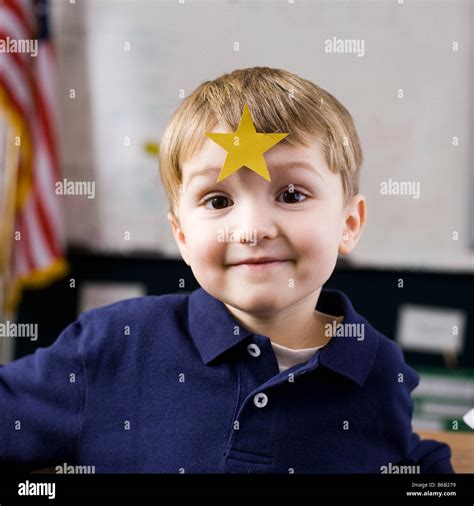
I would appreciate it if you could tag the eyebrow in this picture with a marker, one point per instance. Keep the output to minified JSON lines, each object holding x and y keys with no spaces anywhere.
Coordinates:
{"x":279,"y":166}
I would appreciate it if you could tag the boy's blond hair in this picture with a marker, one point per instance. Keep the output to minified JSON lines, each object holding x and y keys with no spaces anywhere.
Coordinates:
{"x":279,"y":101}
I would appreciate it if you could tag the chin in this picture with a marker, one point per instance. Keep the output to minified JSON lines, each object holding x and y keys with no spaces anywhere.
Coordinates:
{"x":257,"y":303}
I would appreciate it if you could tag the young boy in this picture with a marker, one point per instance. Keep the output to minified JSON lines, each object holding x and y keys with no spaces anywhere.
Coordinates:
{"x":261,"y":370}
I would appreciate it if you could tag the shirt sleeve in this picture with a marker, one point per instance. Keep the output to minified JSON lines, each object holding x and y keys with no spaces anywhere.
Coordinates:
{"x":429,"y":455}
{"x":42,"y":400}
{"x":432,"y":456}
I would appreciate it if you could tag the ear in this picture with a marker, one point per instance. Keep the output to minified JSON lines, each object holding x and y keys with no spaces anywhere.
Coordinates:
{"x":354,"y":221}
{"x":179,"y":236}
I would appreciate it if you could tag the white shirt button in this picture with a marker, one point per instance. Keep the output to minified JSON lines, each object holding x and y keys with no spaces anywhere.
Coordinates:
{"x":253,"y":349}
{"x":260,"y":400}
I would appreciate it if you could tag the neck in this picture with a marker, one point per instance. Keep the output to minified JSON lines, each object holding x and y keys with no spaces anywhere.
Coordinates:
{"x":297,"y":326}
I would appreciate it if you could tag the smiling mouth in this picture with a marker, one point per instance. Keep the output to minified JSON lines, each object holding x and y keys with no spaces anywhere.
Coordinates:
{"x":260,"y":265}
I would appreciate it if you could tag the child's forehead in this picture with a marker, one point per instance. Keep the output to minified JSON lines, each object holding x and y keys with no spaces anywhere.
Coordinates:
{"x":283,"y":156}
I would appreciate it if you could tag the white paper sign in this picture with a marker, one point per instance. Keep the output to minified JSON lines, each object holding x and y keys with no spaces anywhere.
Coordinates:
{"x":98,"y":294}
{"x":430,"y":329}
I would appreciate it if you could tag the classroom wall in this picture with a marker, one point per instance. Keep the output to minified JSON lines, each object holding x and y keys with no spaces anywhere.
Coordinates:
{"x":120,"y":93}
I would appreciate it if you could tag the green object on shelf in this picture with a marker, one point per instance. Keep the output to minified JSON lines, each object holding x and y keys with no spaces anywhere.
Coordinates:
{"x":152,"y":147}
{"x":443,"y":397}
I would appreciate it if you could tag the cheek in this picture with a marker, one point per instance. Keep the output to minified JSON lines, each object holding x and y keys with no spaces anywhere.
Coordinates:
{"x":315,"y":235}
{"x":204,"y":246}
{"x":316,"y":243}
{"x":206,"y":256}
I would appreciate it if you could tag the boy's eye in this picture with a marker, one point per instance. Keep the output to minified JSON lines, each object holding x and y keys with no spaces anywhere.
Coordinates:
{"x":219,"y":201}
{"x":291,"y":196}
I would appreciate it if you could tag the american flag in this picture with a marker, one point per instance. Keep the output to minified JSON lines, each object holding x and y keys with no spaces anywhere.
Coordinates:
{"x":32,"y":235}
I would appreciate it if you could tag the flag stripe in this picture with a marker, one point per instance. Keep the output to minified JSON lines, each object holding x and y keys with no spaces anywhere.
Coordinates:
{"x":22,"y":10}
{"x":18,"y":58}
{"x":45,"y":182}
{"x":11,"y":23}
{"x":24,"y":243}
{"x":17,"y":88}
{"x":46,"y":125}
{"x":46,"y":229}
{"x":39,"y":248}
{"x":47,"y":69}
{"x":25,"y":11}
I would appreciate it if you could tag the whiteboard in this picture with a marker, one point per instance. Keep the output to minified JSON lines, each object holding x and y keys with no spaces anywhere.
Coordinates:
{"x":177,"y":45}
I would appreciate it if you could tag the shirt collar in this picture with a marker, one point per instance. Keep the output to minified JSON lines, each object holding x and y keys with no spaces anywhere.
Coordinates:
{"x":214,"y":331}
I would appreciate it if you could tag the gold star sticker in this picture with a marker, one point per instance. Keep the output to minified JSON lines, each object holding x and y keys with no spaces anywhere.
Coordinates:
{"x":245,"y":147}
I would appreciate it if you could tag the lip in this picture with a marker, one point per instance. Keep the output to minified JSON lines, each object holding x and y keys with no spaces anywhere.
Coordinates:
{"x":260,"y":265}
{"x":261,"y":259}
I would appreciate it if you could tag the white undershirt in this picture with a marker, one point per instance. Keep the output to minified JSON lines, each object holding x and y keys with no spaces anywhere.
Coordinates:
{"x":288,"y":357}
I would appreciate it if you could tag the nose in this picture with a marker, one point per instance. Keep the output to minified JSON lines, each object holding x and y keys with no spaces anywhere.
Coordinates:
{"x":254,"y":218}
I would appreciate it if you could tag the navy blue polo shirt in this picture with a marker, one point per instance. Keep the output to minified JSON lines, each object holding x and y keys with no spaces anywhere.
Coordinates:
{"x":169,"y":384}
